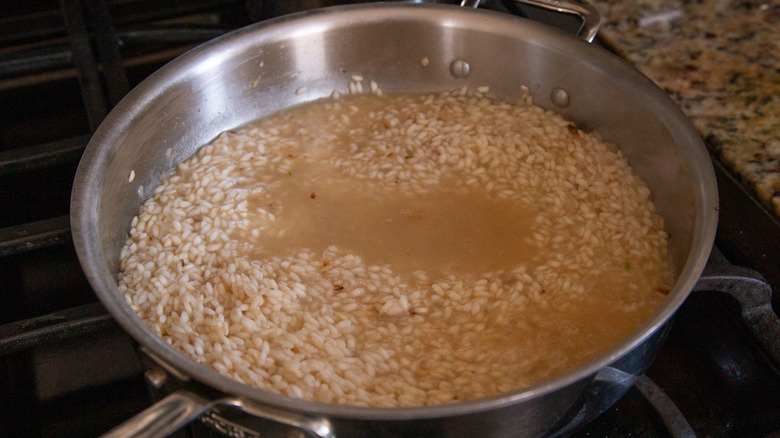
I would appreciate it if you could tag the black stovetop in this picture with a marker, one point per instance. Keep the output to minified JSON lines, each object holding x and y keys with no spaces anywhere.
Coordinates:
{"x":67,"y":369}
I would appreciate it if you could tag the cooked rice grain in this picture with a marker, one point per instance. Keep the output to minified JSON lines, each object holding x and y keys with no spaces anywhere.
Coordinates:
{"x":331,"y":327}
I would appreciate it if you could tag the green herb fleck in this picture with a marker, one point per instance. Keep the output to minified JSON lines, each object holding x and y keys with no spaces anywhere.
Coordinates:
{"x":627,"y":266}
{"x":289,"y":173}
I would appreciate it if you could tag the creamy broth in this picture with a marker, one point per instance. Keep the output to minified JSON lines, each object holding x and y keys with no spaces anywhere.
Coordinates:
{"x":445,"y":232}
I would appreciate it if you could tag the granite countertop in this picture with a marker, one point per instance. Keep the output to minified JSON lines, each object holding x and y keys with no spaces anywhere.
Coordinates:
{"x":720,"y":61}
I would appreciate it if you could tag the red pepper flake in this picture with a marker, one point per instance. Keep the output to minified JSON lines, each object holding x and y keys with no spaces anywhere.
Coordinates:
{"x":389,"y":155}
{"x":313,"y":195}
{"x":663,"y":290}
{"x":338,"y":287}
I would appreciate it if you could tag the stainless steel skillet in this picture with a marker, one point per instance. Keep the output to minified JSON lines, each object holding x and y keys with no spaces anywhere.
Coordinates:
{"x":273,"y":65}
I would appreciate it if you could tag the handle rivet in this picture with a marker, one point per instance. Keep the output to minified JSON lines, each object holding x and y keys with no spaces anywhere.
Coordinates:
{"x":559,"y":97}
{"x":460,"y":68}
{"x":156,"y":377}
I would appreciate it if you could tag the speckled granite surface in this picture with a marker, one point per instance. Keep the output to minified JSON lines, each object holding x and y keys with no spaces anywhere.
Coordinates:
{"x":720,"y":61}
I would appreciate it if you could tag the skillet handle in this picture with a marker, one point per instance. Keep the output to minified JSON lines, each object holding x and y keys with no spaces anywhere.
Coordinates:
{"x":754,"y":295}
{"x":591,"y":18}
{"x":182,"y":407}
{"x":162,"y":418}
